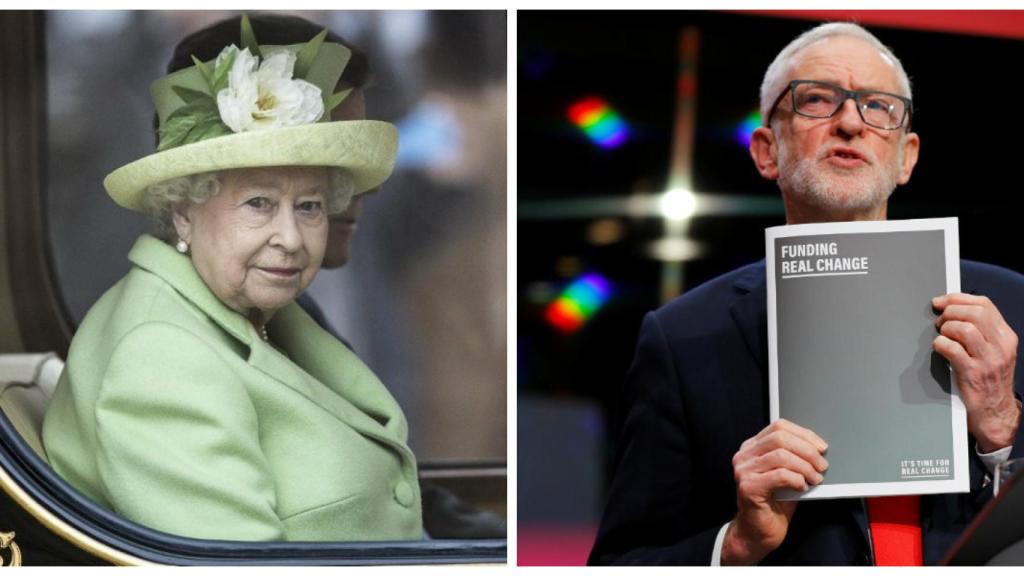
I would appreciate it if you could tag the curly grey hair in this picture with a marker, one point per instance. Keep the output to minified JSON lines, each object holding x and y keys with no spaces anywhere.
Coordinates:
{"x":162,"y":198}
{"x":775,"y":77}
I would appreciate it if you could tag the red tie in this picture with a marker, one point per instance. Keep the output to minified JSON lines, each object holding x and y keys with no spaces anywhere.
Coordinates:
{"x":896,"y":530}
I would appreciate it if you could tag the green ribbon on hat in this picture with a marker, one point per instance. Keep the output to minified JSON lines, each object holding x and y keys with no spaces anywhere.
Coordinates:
{"x":186,"y":100}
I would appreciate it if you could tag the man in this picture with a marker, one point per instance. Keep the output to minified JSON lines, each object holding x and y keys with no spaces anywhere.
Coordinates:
{"x":697,"y":461}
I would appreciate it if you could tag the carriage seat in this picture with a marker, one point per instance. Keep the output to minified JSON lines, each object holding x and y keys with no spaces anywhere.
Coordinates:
{"x":27,"y":382}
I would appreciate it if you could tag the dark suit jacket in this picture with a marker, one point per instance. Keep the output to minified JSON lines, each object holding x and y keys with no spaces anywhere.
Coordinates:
{"x":698,"y":388}
{"x":317,"y":314}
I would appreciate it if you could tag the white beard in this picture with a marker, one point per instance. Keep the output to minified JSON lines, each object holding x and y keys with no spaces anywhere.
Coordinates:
{"x":832,"y":189}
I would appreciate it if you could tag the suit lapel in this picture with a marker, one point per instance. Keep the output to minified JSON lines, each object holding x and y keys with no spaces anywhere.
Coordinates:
{"x":749,"y":312}
{"x":967,"y":281}
{"x":746,"y":377}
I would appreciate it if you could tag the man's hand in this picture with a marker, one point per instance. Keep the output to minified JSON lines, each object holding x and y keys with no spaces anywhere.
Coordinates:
{"x":982,"y":349}
{"x":783,"y":455}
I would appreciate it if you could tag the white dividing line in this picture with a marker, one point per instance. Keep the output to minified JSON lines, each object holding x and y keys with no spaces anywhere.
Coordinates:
{"x":825,"y":274}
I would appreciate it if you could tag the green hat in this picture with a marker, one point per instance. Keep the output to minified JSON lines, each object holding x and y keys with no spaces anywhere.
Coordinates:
{"x":257,"y":106}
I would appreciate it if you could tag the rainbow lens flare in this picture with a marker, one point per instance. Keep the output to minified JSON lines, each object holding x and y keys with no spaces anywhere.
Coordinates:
{"x":599,"y":122}
{"x":745,"y":130}
{"x":578,"y":302}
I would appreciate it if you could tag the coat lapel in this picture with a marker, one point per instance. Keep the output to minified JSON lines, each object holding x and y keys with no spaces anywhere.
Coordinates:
{"x":177,"y":270}
{"x":333,"y":376}
{"x":317,"y":365}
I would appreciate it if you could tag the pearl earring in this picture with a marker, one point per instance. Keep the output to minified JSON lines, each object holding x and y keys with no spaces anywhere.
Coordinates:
{"x":181,"y":246}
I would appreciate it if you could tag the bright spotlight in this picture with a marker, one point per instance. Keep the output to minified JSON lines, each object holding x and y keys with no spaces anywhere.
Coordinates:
{"x":678,"y":204}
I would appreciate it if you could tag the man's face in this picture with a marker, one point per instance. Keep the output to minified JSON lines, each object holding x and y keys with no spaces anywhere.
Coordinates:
{"x":343,"y":226}
{"x":840,"y":166}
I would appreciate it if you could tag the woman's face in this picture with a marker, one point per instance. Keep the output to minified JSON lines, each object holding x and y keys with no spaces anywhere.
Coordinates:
{"x":259,"y":242}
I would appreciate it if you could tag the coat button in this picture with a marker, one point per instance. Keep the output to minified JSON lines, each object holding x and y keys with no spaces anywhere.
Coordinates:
{"x":403,"y":494}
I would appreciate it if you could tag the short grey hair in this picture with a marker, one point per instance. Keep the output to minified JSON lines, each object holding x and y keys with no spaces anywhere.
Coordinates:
{"x":775,"y":77}
{"x":162,"y":198}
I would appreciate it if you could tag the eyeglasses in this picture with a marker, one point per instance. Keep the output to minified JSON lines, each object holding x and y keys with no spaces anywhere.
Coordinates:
{"x":815,"y":99}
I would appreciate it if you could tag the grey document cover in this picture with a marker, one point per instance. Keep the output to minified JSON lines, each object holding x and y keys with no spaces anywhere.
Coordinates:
{"x":850,"y":330}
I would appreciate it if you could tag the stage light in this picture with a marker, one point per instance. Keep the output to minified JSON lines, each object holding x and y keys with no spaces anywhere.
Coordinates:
{"x":746,"y":127}
{"x":678,"y":204}
{"x":675,"y":249}
{"x":599,"y":122}
{"x":605,"y":231}
{"x":578,"y":302}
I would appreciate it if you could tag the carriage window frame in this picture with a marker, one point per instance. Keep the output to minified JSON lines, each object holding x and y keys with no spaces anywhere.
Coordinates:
{"x":36,"y":318}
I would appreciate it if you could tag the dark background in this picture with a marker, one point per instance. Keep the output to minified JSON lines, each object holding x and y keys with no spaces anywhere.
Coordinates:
{"x":966,"y":114}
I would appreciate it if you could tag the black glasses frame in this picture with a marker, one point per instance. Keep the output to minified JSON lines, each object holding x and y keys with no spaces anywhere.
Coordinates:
{"x":847,"y":94}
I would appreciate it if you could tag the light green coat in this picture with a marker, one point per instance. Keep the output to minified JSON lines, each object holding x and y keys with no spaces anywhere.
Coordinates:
{"x":174,"y":413}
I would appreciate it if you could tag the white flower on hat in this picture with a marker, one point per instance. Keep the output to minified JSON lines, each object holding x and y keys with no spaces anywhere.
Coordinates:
{"x":262,"y":95}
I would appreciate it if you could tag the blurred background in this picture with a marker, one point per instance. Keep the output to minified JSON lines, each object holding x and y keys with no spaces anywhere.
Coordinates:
{"x":423,"y":299}
{"x":635,"y":185}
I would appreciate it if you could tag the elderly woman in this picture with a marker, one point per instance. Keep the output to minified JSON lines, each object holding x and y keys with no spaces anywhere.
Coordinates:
{"x":198,"y":398}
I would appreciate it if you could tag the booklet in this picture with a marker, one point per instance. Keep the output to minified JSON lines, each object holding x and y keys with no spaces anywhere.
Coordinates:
{"x":850,"y":330}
